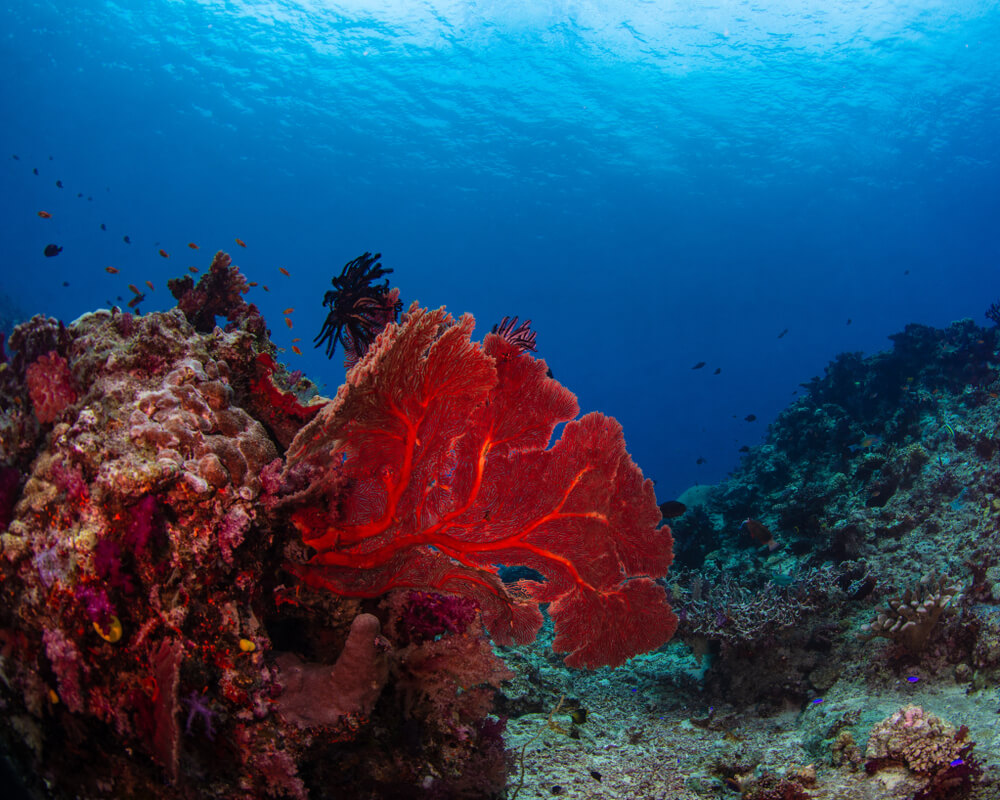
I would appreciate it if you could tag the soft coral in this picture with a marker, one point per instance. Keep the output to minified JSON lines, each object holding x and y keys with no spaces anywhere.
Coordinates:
{"x":437,"y":468}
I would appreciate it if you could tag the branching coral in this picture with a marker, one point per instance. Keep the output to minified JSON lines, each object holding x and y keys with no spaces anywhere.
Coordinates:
{"x":219,"y":293}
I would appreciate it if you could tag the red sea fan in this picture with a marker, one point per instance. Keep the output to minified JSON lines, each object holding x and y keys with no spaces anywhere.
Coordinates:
{"x":50,"y":386}
{"x":432,"y":467}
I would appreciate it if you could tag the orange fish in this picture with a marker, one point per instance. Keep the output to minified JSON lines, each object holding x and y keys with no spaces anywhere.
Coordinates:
{"x":112,"y":270}
{"x":136,"y":300}
{"x":288,"y":322}
{"x":284,"y":271}
{"x":288,"y":311}
{"x":164,"y":253}
{"x":297,"y":339}
{"x":241,"y":243}
{"x":192,"y":245}
{"x":252,"y":283}
{"x":150,"y":285}
{"x":193,"y":269}
{"x":264,"y":287}
{"x":295,"y":349}
{"x":134,"y":289}
{"x":44,"y":215}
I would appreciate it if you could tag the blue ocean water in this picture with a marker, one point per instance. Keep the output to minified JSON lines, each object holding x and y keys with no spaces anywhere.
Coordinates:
{"x":754,"y":185}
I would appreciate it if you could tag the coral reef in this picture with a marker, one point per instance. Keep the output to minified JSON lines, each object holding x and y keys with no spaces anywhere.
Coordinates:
{"x":154,"y":640}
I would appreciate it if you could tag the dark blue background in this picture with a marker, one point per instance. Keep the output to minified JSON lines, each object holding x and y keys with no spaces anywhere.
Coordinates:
{"x":652,"y":187}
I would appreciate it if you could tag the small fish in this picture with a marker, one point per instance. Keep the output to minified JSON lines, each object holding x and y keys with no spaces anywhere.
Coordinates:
{"x":134,"y":289}
{"x":760,"y":532}
{"x":252,"y":283}
{"x":90,"y":199}
{"x":701,"y":460}
{"x":136,"y":300}
{"x":848,"y":320}
{"x":126,"y":240}
{"x":79,"y":194}
{"x":284,"y":272}
{"x":906,"y":272}
{"x":264,"y":287}
{"x":297,"y":339}
{"x":52,"y":250}
{"x":59,"y":184}
{"x":44,"y":215}
{"x":672,"y":509}
{"x":65,"y":283}
{"x":104,"y":227}
{"x":163,"y":253}
{"x":16,"y":157}
{"x":750,"y":417}
{"x":874,"y":440}
{"x":241,"y":243}
{"x":295,"y":349}
{"x":782,"y":334}
{"x":744,"y":449}
{"x":717,"y":370}
{"x":150,"y":285}
{"x":192,"y":245}
{"x":111,"y":270}
{"x":35,"y":170}
{"x":699,"y":365}
{"x":193,"y":269}
{"x":288,"y":322}
{"x":288,"y":311}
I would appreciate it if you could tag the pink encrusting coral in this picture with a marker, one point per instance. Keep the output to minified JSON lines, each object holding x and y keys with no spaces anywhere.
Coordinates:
{"x":50,"y":386}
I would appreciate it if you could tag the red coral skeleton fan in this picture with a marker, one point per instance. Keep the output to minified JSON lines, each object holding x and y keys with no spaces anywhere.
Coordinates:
{"x":432,"y":466}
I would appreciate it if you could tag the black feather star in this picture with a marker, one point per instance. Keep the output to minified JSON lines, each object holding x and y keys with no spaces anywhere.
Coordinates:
{"x":358,"y":310}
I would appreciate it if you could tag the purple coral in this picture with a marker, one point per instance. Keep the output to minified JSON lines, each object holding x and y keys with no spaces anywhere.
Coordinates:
{"x":143,"y":524}
{"x":96,"y":605}
{"x":66,"y":664}
{"x":199,"y":708}
{"x":428,"y":615}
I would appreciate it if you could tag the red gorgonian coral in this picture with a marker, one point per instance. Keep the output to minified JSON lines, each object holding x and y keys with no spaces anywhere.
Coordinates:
{"x":50,"y":386}
{"x":431,"y":467}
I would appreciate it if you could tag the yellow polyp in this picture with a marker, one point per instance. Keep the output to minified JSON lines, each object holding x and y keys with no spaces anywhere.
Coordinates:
{"x":53,"y":697}
{"x":113,"y":632}
{"x":247,"y":646}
